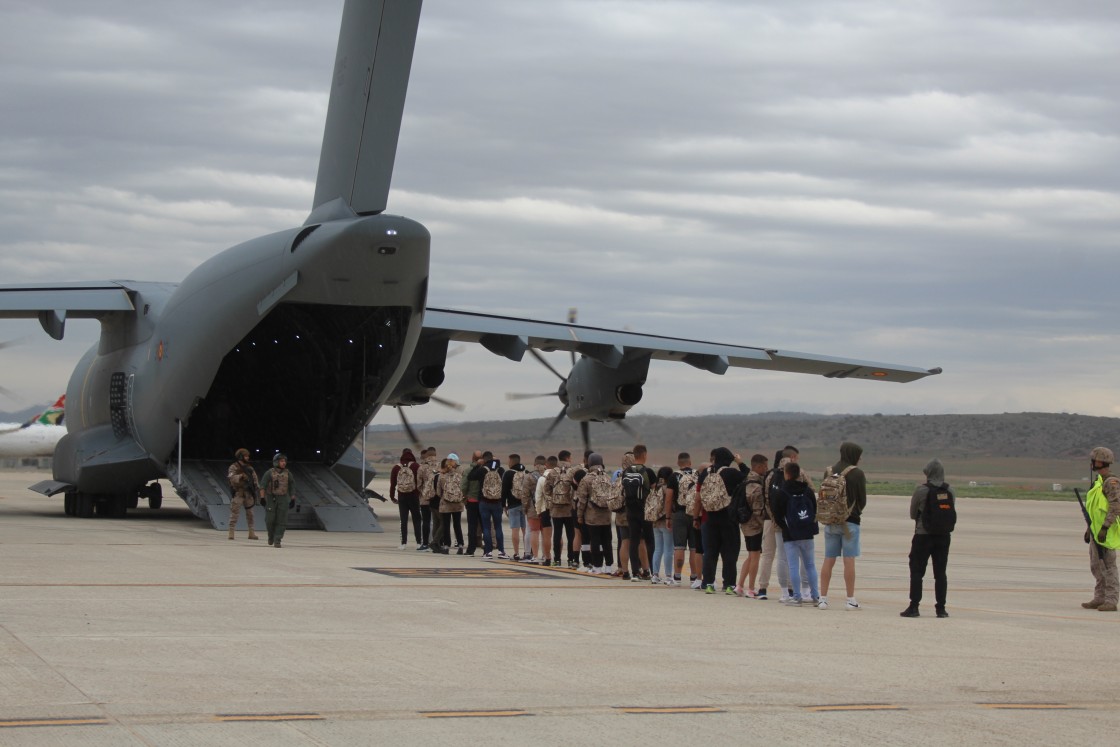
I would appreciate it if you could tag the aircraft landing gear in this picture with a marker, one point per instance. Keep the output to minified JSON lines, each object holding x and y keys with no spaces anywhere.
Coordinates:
{"x":154,"y":494}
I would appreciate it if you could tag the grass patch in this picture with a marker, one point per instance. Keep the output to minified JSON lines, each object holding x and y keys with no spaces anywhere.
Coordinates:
{"x":1020,"y":492}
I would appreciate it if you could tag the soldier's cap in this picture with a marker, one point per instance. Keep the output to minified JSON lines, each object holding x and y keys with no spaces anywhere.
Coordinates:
{"x":237,"y":454}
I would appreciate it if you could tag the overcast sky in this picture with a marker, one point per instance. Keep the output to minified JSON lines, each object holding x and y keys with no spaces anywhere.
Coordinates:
{"x":923,"y":183}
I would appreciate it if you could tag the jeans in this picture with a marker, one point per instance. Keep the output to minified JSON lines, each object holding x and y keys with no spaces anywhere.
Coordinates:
{"x":491,"y":511}
{"x":662,"y":551}
{"x":797,"y":552}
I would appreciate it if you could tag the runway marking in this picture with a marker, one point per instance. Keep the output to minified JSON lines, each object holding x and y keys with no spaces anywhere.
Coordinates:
{"x":1029,"y":706}
{"x":484,"y":572}
{"x":13,"y":723}
{"x":854,"y":707}
{"x":472,"y":714}
{"x":268,"y":717}
{"x":669,"y":709}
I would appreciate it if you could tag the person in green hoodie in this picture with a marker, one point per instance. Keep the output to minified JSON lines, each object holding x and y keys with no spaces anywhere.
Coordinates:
{"x":843,"y":540}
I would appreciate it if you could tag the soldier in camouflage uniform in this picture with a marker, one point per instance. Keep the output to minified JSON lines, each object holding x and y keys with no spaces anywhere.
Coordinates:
{"x":278,"y":488}
{"x":1103,"y":534}
{"x":243,"y":483}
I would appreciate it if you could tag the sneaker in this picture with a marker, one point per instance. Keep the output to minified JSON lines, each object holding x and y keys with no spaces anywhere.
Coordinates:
{"x":709,"y":589}
{"x":672,"y":582}
{"x":806,"y":592}
{"x":637,"y":579}
{"x":910,"y":611}
{"x":695,"y":583}
{"x":739,"y":590}
{"x":645,"y":574}
{"x":487,"y":556}
{"x":655,"y":579}
{"x":502,"y":556}
{"x":851,"y":604}
{"x":750,"y":594}
{"x":403,"y":547}
{"x":458,"y":550}
{"x":822,"y":604}
{"x":792,"y":602}
{"x":785,"y":598}
{"x":942,"y":613}
{"x":761,"y":593}
{"x":573,"y":564}
{"x":730,"y":591}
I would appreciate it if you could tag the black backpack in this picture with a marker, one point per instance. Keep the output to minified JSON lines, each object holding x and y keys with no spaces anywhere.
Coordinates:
{"x":801,"y":513}
{"x":635,"y":487}
{"x":740,"y":505}
{"x":939,"y":515}
{"x":777,"y":480}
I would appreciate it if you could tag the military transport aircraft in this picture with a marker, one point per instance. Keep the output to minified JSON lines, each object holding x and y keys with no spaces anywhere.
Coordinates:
{"x":36,"y":437}
{"x":330,"y":318}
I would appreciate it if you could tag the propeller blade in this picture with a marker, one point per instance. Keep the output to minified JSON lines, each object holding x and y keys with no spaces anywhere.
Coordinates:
{"x":514,"y":396}
{"x":556,"y":422}
{"x":541,"y":359}
{"x":625,"y":428}
{"x":572,"y":314}
{"x":585,"y":431}
{"x":448,"y":403}
{"x":11,"y":343}
{"x":408,"y":429}
{"x":9,"y":393}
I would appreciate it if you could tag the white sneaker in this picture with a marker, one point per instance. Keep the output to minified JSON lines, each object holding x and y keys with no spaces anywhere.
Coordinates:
{"x":403,"y":547}
{"x":822,"y":604}
{"x":785,"y":598}
{"x":672,"y":582}
{"x":851,"y":604}
{"x":655,"y":579}
{"x":696,"y":584}
{"x":806,"y":592}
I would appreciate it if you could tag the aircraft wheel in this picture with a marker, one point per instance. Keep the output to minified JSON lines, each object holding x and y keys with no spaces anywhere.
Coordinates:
{"x":70,"y":504}
{"x":155,"y":502}
{"x":133,"y":501}
{"x":83,"y":505}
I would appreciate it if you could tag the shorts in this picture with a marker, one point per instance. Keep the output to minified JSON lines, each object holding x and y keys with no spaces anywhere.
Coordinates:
{"x":754,"y":542}
{"x":546,"y":520}
{"x":622,"y":532}
{"x":836,"y":544}
{"x":517,"y":518}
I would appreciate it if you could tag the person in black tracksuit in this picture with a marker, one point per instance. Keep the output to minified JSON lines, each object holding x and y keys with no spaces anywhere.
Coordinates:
{"x":721,"y":529}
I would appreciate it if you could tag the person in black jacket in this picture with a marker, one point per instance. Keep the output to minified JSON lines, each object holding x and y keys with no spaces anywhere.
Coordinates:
{"x":795,"y":510}
{"x":720,"y":528}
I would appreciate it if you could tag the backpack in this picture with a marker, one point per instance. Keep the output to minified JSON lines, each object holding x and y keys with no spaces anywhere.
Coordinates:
{"x":562,"y":490}
{"x":426,"y":476}
{"x":775,"y":483}
{"x":601,"y":490}
{"x":939,"y":514}
{"x":525,"y":486}
{"x":406,"y":479}
{"x":713,"y":492}
{"x":801,"y":518}
{"x":686,"y":489}
{"x":655,"y":503}
{"x":634,"y":483}
{"x":743,"y":510}
{"x":832,"y":499}
{"x":451,"y":486}
{"x":492,"y":485}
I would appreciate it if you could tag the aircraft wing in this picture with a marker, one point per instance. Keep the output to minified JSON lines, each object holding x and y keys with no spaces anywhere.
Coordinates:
{"x":53,"y":303}
{"x":512,"y":337}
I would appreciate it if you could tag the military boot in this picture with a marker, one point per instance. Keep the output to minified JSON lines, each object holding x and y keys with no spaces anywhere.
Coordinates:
{"x":253,"y":535}
{"x":231,"y":531}
{"x":1107,"y":607}
{"x":1092,"y":605}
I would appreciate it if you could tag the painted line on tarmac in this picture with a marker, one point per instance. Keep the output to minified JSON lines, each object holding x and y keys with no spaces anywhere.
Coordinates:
{"x":671,"y":709}
{"x":269,"y":717}
{"x":854,"y":707}
{"x":472,"y":714}
{"x":18,"y":723}
{"x":1030,"y":706}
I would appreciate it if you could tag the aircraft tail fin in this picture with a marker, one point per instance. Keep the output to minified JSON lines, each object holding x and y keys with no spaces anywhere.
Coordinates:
{"x":53,"y":415}
{"x":371,"y":69}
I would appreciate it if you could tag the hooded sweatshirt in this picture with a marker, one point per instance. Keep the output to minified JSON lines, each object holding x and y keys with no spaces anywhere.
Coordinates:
{"x":856,"y":480}
{"x":723,"y":457}
{"x":935,"y":475}
{"x":408,"y":461}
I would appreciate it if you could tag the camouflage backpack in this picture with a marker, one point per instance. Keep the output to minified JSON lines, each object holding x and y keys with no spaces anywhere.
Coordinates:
{"x":451,"y":486}
{"x":713,"y":493}
{"x":426,"y":476}
{"x":562,"y":490}
{"x":832,"y":500}
{"x":492,"y":485}
{"x":406,"y":479}
{"x":655,"y":503}
{"x":525,"y":488}
{"x":686,"y":489}
{"x":601,"y":489}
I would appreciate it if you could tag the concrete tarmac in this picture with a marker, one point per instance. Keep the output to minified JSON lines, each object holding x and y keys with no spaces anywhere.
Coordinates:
{"x":157,"y":630}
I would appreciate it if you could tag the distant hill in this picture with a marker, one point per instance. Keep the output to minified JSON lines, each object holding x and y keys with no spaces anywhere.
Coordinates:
{"x":1030,"y":435}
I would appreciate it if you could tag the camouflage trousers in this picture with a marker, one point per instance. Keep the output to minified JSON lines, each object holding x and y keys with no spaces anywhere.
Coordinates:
{"x":241,"y":499}
{"x":1107,"y":589}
